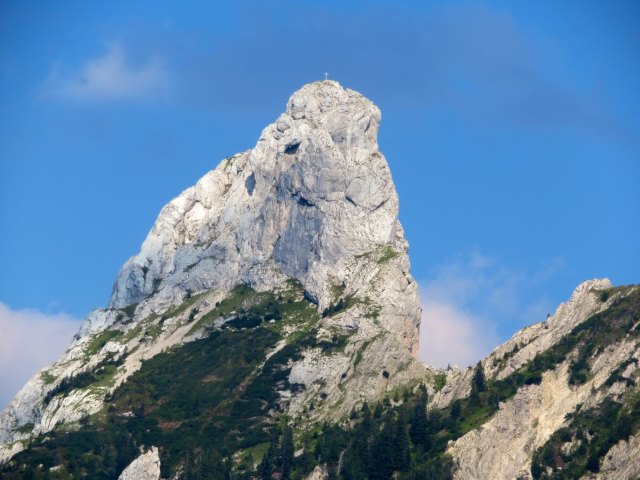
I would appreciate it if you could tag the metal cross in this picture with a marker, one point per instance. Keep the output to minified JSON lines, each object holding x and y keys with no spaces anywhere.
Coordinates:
{"x":326,"y":75}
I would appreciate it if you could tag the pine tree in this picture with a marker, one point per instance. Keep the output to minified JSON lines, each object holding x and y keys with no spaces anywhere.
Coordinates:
{"x":367,"y":423}
{"x":305,"y":461}
{"x":456,"y":409}
{"x":382,"y":465}
{"x":419,"y":421}
{"x":536,"y":468}
{"x":287,"y":456}
{"x":402,"y":445}
{"x":211,"y":465}
{"x":479,"y":383}
{"x":593,"y":462}
{"x":269,"y":460}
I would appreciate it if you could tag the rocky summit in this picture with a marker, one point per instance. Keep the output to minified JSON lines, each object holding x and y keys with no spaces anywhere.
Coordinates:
{"x":268,"y":328}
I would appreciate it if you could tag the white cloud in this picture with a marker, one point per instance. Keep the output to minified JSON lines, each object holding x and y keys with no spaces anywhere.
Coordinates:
{"x":450,"y":336}
{"x":30,"y":340}
{"x":109,"y":77}
{"x":474,"y":303}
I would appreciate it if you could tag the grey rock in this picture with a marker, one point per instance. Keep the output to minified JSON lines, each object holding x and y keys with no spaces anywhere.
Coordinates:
{"x":145,"y":467}
{"x":528,"y":342}
{"x":621,"y":462}
{"x":502,"y":447}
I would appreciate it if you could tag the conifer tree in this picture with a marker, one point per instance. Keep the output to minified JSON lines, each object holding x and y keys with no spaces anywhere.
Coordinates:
{"x":287,"y":456}
{"x":367,"y":423}
{"x":269,"y":460}
{"x":479,"y":382}
{"x":478,"y":385}
{"x":382,"y":464}
{"x":419,"y":422}
{"x":402,"y":445}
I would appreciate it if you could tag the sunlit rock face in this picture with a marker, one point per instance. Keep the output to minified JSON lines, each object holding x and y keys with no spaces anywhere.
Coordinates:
{"x":145,"y":467}
{"x":313,"y":192}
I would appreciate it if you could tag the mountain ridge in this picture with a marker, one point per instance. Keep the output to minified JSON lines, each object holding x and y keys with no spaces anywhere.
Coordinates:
{"x":269,"y":327}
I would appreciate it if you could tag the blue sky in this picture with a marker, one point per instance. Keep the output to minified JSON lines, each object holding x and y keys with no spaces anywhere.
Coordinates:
{"x":511,"y":129}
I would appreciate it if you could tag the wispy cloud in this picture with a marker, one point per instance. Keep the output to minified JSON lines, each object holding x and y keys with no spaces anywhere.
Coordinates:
{"x":30,"y":340}
{"x":451,"y":336}
{"x":473,"y":303}
{"x":111,"y":76}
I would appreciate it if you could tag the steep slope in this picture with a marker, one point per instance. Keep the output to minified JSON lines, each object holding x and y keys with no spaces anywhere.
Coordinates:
{"x":560,"y":395}
{"x":569,"y":409}
{"x":309,"y":216}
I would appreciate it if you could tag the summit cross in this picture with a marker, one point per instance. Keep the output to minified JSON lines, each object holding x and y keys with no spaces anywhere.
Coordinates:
{"x":326,"y":76}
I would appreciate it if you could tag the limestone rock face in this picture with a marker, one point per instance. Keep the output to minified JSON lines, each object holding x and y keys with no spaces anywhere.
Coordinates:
{"x":313,"y":192}
{"x":312,"y":201}
{"x":503,"y":446}
{"x":145,"y":467}
{"x":529,"y":341}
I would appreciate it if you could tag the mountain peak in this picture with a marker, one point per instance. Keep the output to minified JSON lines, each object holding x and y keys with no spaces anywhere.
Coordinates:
{"x":315,"y":183}
{"x":347,"y":116}
{"x":325,"y":96}
{"x":307,"y":218}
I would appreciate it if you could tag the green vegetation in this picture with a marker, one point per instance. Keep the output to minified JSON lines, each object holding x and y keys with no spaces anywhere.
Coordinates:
{"x":26,"y":428}
{"x":211,"y":406}
{"x":605,"y":294}
{"x":129,"y":310}
{"x":99,"y":340}
{"x":47,"y":377}
{"x":373,"y":312}
{"x":101,"y":376}
{"x":337,"y":291}
{"x":341,"y":305}
{"x":184,"y":306}
{"x":388,"y":253}
{"x":248,"y":308}
{"x":386,"y":442}
{"x":198,"y":403}
{"x":593,"y":432}
{"x":439,"y":381}
{"x":381,"y":254}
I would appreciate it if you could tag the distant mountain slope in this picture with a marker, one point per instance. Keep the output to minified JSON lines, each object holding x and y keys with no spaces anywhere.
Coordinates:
{"x":560,"y":393}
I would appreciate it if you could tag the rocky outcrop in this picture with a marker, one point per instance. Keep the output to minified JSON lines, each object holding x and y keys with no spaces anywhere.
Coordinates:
{"x":318,"y":473}
{"x":528,"y":342}
{"x":145,"y":467}
{"x":312,"y":201}
{"x":502,"y":447}
{"x":309,"y":218}
{"x":621,"y":462}
{"x":313,"y":193}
